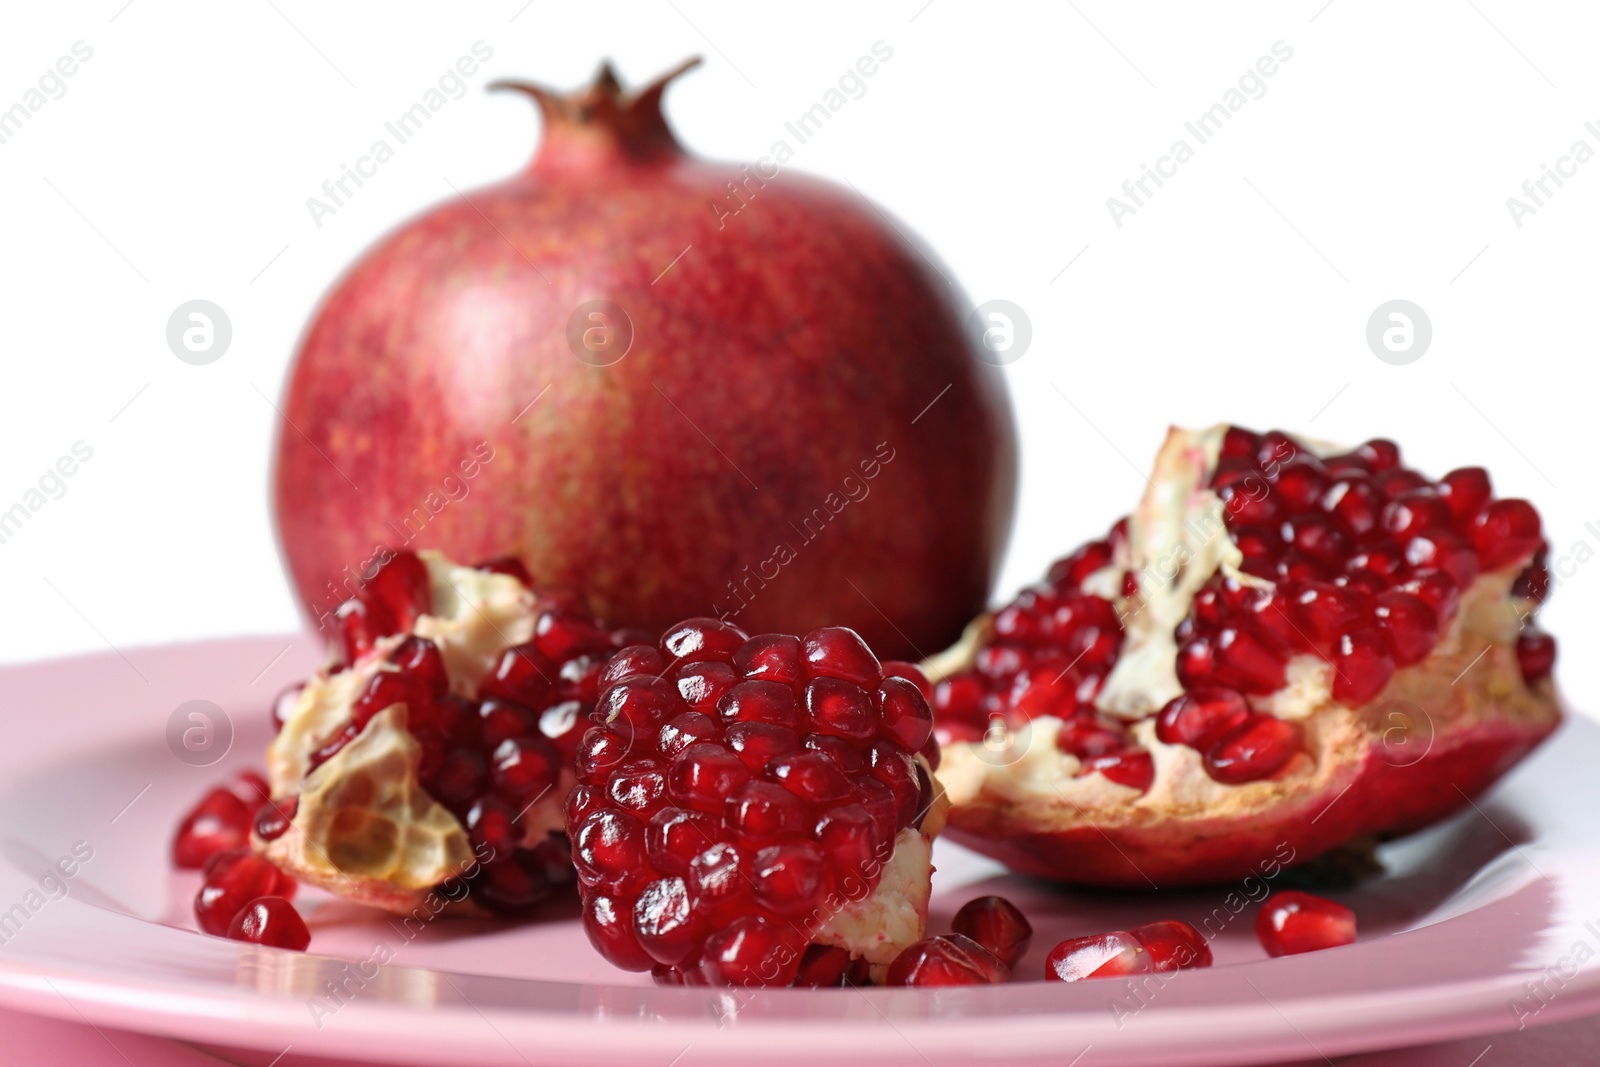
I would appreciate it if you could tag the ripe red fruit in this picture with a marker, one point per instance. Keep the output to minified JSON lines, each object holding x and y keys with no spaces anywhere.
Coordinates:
{"x":1291,"y":922}
{"x":656,"y":255}
{"x":1276,"y":612}
{"x":705,"y":851}
{"x":997,"y":925}
{"x":1111,"y":955}
{"x":947,"y":961}
{"x":270,"y":921}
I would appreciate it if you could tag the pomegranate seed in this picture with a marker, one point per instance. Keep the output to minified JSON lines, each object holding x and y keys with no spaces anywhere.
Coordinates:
{"x":1324,"y":612}
{"x":1415,"y":510}
{"x":221,"y":821}
{"x":639,"y":786}
{"x":997,"y":925}
{"x":947,"y":961}
{"x":663,"y":922}
{"x":1536,"y":655}
{"x":1274,"y":448}
{"x":1362,"y":664}
{"x":760,"y":813}
{"x":522,"y":675}
{"x":771,"y":657}
{"x":1087,"y":738}
{"x":1437,"y":590}
{"x":1506,"y":532}
{"x":1380,"y":454}
{"x":839,"y":708}
{"x":811,"y":776}
{"x":1136,"y":769}
{"x":826,"y":967}
{"x":560,"y":637}
{"x":1253,"y":750}
{"x":769,"y":702}
{"x":270,"y":921}
{"x":1410,"y":624}
{"x":757,"y":744}
{"x":493,"y":822}
{"x":1401,"y":480}
{"x":719,"y":883}
{"x":360,"y":626}
{"x":608,"y":921}
{"x":508,"y":565}
{"x":703,"y":684}
{"x":1534,"y":582}
{"x":839,"y":652}
{"x":643,"y":660}
{"x":402,"y":585}
{"x":1383,"y":559}
{"x":893,"y":668}
{"x":1238,"y":443}
{"x":1301,"y":483}
{"x":608,"y":850}
{"x":851,"y":835}
{"x":1245,"y":662}
{"x":1197,"y":664}
{"x":700,"y":639}
{"x":751,"y":951}
{"x":703,"y":775}
{"x":1465,"y":490}
{"x":1292,"y":922}
{"x":273,"y":818}
{"x":1201,"y":716}
{"x":1354,"y":501}
{"x":906,"y":717}
{"x":1109,"y":955}
{"x":789,"y":879}
{"x":1173,"y":945}
{"x":1445,"y":550}
{"x":1316,"y":537}
{"x":233,"y":879}
{"x":689,"y":727}
{"x":1246,"y":499}
{"x":675,"y":837}
{"x":1069,"y":573}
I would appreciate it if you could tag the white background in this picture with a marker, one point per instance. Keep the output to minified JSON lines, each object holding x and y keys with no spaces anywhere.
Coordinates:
{"x":1376,"y":166}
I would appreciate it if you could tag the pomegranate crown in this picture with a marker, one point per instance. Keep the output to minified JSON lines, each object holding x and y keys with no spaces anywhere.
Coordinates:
{"x":603,"y":122}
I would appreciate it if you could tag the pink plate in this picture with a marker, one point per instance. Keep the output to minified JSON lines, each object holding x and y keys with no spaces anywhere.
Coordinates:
{"x":1478,"y":925}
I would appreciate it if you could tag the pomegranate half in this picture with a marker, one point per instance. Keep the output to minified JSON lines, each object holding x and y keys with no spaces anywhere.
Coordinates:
{"x":1287,"y":646}
{"x":687,"y":388}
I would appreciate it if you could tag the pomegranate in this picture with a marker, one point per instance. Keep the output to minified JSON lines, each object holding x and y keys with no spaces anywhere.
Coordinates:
{"x":270,"y":921}
{"x":798,"y":434}
{"x":1286,"y":646}
{"x":743,"y":800}
{"x":1168,"y":945}
{"x":1292,"y":922}
{"x":437,"y":747}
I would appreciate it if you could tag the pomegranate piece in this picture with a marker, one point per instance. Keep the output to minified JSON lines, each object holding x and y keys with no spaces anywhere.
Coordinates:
{"x":1110,"y":955}
{"x":461,"y":722}
{"x":997,"y":925}
{"x":1274,"y":607}
{"x":946,"y":961}
{"x":1292,"y":922}
{"x":270,"y":921}
{"x":716,"y":841}
{"x":233,"y":879}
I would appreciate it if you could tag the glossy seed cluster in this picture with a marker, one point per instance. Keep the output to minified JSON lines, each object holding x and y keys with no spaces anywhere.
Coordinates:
{"x":735,"y":791}
{"x":1354,"y":558}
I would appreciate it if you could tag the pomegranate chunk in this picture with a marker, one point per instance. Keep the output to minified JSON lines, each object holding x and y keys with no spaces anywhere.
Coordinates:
{"x":1281,"y":610}
{"x":270,"y":921}
{"x":762,"y":794}
{"x":1292,"y":922}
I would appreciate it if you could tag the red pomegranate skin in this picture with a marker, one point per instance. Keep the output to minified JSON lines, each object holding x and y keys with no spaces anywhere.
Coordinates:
{"x":801,"y":433}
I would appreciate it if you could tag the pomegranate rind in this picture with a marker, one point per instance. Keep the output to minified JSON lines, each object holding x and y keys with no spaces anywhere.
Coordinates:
{"x":1440,"y":732}
{"x":364,"y":827}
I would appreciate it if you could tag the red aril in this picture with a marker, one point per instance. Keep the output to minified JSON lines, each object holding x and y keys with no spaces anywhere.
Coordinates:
{"x":270,"y":921}
{"x":947,"y":961}
{"x":997,"y":925}
{"x":232,"y":880}
{"x":1111,"y":955}
{"x":1292,"y":922}
{"x":1173,"y":945}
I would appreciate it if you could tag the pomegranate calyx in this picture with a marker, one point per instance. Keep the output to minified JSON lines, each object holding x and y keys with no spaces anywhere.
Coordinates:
{"x":603,"y":124}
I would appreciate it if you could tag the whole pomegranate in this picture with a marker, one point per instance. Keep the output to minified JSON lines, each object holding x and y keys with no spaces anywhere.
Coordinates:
{"x":687,"y":388}
{"x":1285,"y":647}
